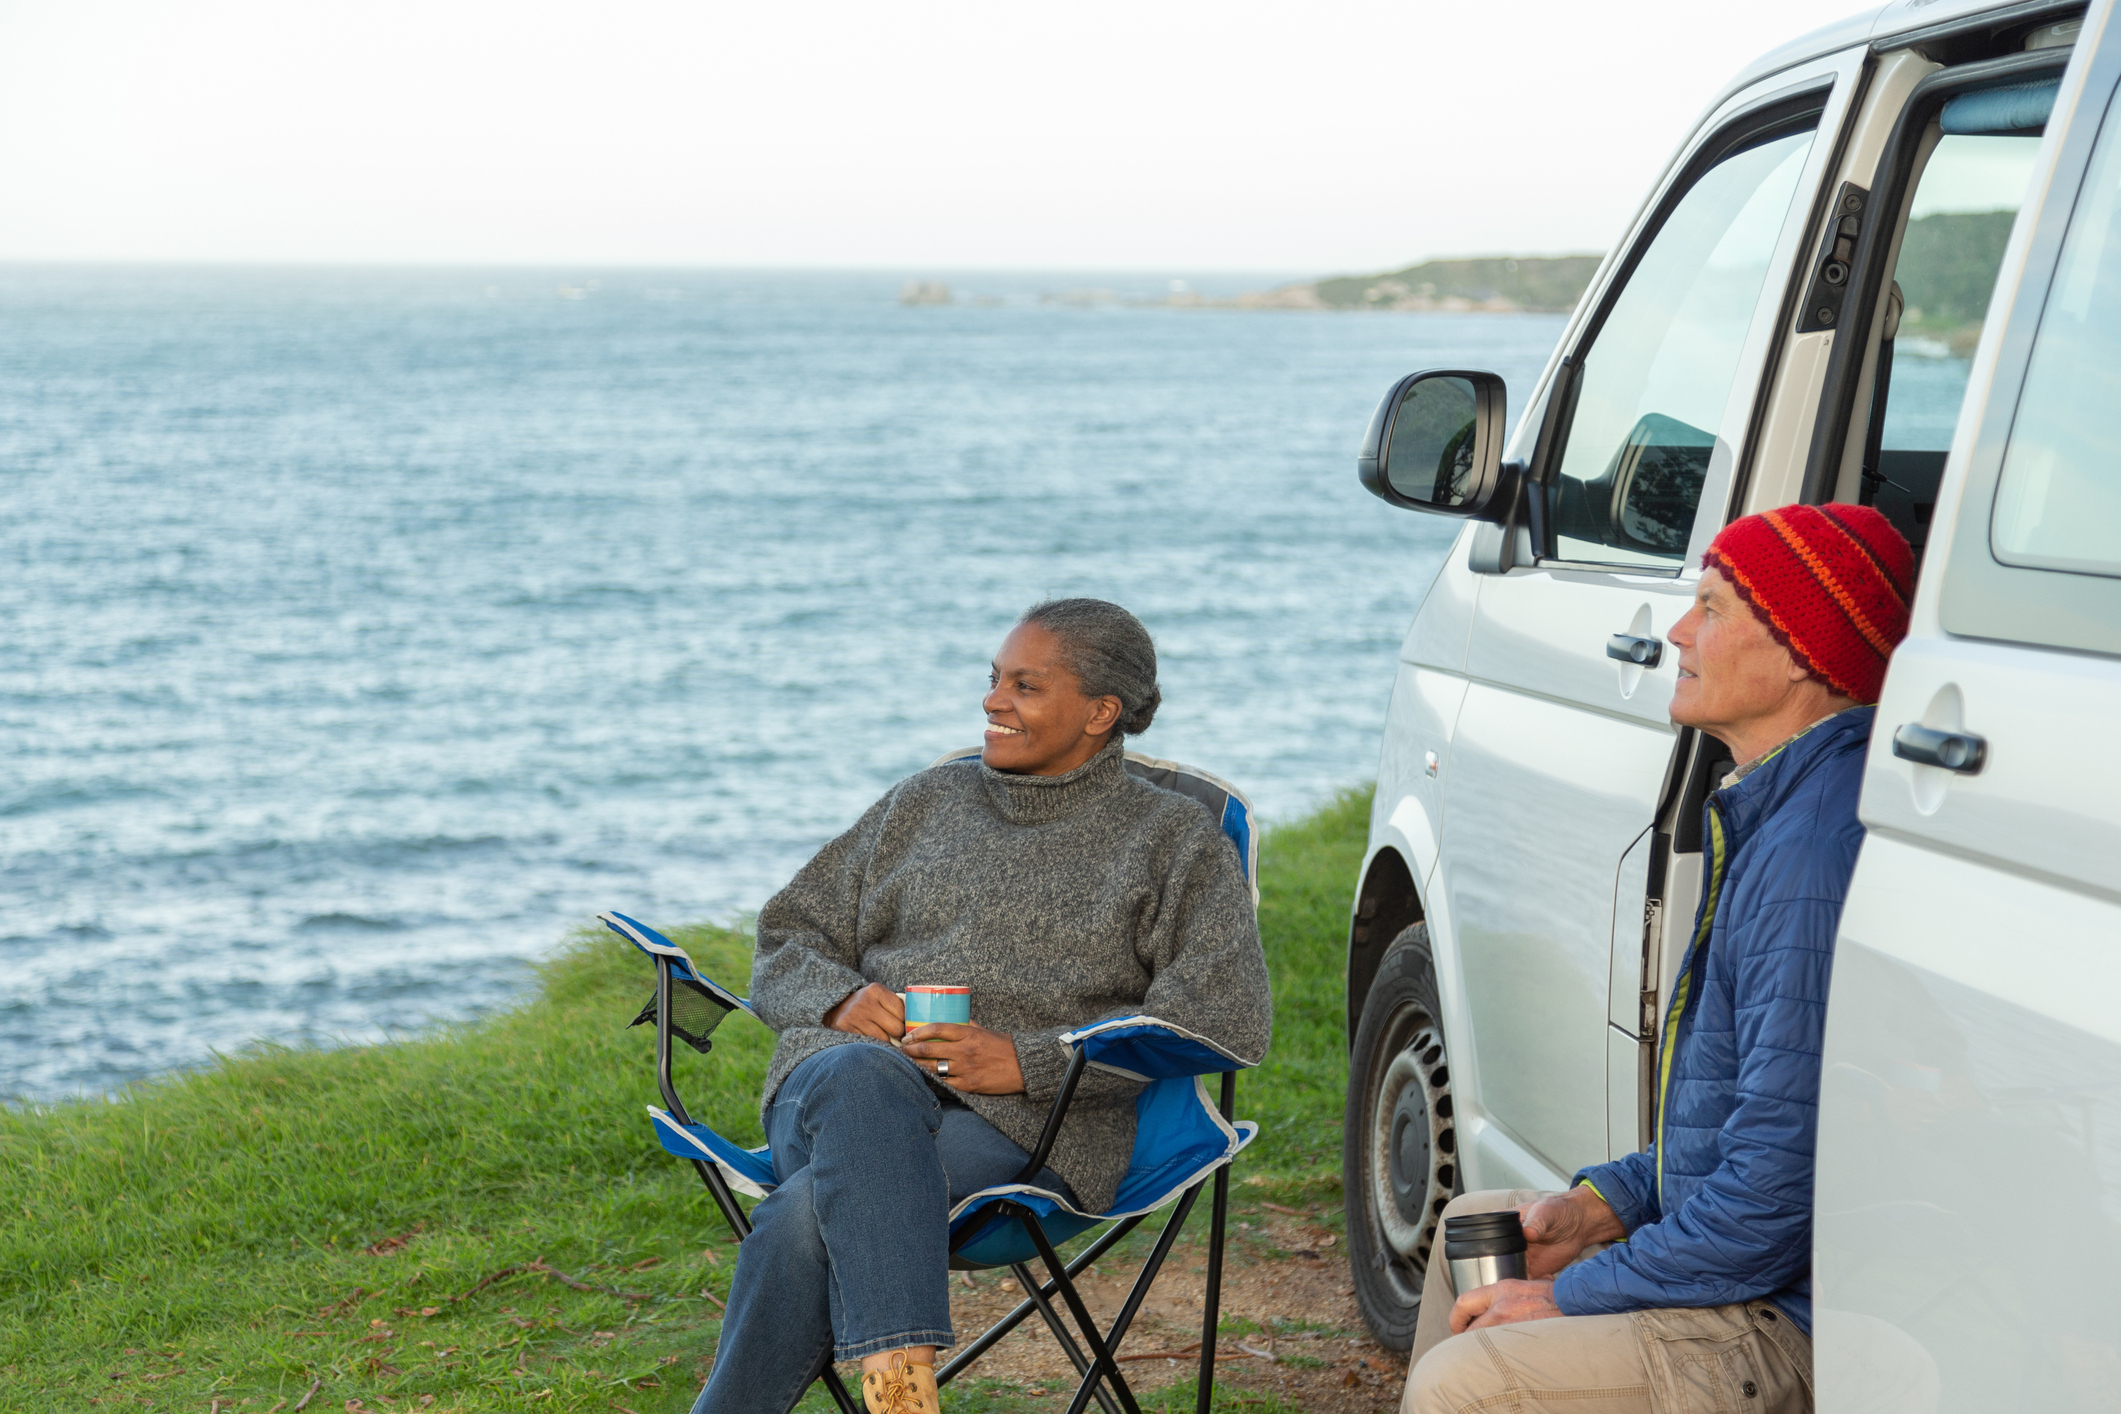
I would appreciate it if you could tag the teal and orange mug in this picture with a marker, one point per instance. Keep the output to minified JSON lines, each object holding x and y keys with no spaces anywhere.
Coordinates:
{"x":932,"y":1004}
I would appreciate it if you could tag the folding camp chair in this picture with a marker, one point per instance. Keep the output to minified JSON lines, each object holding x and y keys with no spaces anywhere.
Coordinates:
{"x":1183,"y":1139}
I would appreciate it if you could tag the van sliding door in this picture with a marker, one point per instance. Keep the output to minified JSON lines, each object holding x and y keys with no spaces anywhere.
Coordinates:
{"x":1970,"y":1105}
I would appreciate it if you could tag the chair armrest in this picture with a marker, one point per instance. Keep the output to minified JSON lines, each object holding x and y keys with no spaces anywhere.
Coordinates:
{"x":1054,"y":1116}
{"x":1149,"y":1048}
{"x":1144,"y":1048}
{"x":660,"y":948}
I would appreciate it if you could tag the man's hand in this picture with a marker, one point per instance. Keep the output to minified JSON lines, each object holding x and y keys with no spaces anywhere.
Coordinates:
{"x":1557,"y":1229}
{"x":981,"y":1062}
{"x":1503,"y":1303}
{"x":873,"y":1011}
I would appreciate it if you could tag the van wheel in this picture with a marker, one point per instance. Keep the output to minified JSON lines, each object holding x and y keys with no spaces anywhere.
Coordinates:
{"x":1399,"y":1153}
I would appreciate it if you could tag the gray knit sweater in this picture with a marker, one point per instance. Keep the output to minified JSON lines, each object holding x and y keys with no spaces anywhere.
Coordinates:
{"x":1058,"y":900}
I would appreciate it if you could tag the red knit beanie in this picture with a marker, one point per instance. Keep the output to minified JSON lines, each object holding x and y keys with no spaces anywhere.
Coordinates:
{"x":1832,"y":584}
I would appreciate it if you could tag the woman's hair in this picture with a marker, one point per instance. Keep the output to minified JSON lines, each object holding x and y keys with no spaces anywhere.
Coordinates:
{"x":1109,"y":652}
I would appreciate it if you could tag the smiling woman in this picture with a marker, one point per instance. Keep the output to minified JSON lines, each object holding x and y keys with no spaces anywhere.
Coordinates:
{"x":1055,"y":887}
{"x":1069,"y":674}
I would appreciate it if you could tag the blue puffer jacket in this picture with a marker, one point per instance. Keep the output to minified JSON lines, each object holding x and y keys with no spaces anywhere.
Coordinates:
{"x":1719,"y":1209}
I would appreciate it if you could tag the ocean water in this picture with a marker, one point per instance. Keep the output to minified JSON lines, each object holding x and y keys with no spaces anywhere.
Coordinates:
{"x":368,"y":630}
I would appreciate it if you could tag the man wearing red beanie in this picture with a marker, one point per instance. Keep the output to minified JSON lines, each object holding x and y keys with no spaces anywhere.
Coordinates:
{"x":1679,"y":1279}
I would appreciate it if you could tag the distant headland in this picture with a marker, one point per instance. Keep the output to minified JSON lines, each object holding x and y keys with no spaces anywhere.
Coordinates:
{"x":1493,"y":284}
{"x":1498,"y":284}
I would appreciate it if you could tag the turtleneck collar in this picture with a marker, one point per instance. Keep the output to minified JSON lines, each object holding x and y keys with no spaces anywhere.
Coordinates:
{"x":1039,"y":800}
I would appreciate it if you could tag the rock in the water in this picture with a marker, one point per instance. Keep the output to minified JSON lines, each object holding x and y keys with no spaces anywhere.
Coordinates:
{"x":924,"y":292}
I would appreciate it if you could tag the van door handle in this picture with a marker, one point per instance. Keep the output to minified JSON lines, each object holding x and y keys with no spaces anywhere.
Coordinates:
{"x":1642,"y":652}
{"x":1954,"y":751}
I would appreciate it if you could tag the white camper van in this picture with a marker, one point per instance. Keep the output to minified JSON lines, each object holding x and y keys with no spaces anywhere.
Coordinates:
{"x":1884,"y":268}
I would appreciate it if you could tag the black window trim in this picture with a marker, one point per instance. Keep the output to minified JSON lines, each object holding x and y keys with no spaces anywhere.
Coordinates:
{"x":1799,"y":107}
{"x":1879,"y":242}
{"x":1984,"y":598}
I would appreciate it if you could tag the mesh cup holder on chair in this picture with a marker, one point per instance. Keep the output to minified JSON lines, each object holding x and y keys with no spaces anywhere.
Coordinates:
{"x":694,"y":1013}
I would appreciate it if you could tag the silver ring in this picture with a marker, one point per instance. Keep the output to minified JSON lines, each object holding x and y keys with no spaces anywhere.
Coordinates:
{"x":942,"y":1067}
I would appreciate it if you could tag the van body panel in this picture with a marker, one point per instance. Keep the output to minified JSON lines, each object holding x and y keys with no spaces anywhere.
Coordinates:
{"x":1544,"y":632}
{"x":1410,"y":801}
{"x":1406,"y":813}
{"x":1444,"y":622}
{"x":1496,"y":1160}
{"x":1532,"y":926}
{"x":1786,"y":429}
{"x":1969,"y":1188}
{"x":2044,"y":804}
{"x":1970,"y":1102}
{"x":1466,"y":1078}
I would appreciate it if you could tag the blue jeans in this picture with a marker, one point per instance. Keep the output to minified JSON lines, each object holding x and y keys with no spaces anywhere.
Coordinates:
{"x":852,"y":1252}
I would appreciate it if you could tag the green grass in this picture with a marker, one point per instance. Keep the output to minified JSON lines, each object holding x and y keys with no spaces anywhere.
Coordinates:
{"x":286,"y":1217}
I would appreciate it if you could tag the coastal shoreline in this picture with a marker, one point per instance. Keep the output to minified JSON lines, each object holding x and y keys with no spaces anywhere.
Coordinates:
{"x":1481,"y":285}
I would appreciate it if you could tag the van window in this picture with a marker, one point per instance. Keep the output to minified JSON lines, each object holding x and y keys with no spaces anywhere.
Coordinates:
{"x":1648,"y":400}
{"x":2036,"y":546}
{"x":1958,"y":224}
{"x":2058,"y":502}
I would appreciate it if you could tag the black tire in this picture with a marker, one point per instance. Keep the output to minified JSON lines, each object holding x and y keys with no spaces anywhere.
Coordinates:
{"x":1399,"y":1153}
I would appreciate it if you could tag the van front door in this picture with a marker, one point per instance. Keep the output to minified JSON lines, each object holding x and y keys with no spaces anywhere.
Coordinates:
{"x":1564,"y":747}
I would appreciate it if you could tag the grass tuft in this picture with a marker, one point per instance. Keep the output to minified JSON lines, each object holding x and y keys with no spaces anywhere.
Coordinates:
{"x":294,"y":1218}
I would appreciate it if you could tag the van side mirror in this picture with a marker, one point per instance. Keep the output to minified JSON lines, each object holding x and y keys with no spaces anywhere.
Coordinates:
{"x":1435,"y":444}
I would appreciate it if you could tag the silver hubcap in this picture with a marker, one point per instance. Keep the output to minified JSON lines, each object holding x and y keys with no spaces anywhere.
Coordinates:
{"x":1412,"y":1147}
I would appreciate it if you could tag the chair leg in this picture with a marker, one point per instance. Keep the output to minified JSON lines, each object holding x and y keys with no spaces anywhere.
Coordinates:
{"x":1216,"y":1222}
{"x":1024,"y":1308}
{"x":1065,"y":1338}
{"x":718,"y":1189}
{"x":1101,"y":1354}
{"x":837,"y":1388}
{"x":1142,"y":1283}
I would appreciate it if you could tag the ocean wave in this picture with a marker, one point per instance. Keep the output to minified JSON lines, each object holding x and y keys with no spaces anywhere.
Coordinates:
{"x":349,"y":922}
{"x":38,"y":800}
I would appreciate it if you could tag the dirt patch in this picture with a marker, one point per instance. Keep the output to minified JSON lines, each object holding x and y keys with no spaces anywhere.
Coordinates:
{"x":1285,"y":1288}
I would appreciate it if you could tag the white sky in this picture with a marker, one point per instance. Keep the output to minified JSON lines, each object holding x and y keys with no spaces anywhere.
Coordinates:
{"x":1336,"y":135}
{"x":1975,"y":174}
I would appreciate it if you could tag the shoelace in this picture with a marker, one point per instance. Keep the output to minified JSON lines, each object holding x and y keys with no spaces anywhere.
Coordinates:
{"x":896,"y":1390}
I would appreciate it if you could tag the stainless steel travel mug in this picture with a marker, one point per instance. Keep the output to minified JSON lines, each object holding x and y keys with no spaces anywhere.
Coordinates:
{"x":1483,"y":1248}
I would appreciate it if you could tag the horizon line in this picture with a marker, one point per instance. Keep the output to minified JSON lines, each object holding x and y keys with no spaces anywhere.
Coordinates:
{"x":931,"y":268}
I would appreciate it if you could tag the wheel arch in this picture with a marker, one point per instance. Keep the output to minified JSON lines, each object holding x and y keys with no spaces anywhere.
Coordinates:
{"x":1386,"y":904}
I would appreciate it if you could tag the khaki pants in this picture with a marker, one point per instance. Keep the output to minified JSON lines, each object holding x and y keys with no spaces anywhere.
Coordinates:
{"x":1739,"y":1359}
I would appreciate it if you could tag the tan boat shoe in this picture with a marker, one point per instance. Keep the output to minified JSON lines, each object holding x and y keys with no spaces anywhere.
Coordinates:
{"x":901,"y":1387}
